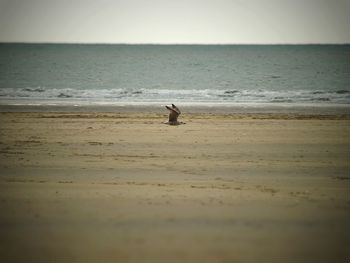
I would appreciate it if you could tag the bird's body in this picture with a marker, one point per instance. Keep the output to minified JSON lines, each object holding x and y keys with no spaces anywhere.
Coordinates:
{"x":173,"y":115}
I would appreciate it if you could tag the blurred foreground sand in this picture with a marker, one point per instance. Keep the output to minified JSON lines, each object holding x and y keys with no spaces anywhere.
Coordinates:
{"x":109,"y":187}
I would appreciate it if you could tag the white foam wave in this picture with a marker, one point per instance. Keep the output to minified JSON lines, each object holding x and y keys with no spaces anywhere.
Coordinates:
{"x":182,"y":95}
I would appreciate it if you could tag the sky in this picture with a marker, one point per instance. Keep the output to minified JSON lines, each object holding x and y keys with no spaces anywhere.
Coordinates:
{"x":175,"y":21}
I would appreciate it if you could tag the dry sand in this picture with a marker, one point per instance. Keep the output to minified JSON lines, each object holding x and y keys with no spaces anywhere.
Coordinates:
{"x":123,"y":187}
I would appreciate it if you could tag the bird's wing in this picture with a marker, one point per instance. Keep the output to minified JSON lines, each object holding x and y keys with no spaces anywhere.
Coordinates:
{"x":176,"y":109}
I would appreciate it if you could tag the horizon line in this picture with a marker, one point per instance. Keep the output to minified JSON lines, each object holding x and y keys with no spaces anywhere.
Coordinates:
{"x":173,"y":44}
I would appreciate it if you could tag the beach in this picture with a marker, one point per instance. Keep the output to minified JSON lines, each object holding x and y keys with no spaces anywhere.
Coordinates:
{"x":224,"y":187}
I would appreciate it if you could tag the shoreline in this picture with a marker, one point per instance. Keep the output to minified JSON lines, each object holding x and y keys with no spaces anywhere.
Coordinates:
{"x":239,"y":108}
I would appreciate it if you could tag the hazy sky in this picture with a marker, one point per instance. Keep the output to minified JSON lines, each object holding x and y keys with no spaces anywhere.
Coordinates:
{"x":175,"y":21}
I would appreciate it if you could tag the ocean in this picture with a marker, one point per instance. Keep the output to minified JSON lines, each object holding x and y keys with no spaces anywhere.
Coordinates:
{"x":78,"y":74}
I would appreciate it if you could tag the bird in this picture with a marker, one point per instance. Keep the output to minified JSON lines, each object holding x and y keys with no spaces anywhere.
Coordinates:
{"x":174,"y":113}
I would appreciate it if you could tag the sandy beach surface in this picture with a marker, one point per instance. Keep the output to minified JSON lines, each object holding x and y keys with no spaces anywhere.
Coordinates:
{"x":123,"y":187}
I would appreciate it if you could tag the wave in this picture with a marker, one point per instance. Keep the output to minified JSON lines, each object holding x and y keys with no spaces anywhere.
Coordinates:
{"x":282,"y":99}
{"x":342,"y":91}
{"x":177,"y":95}
{"x":38,"y":89}
{"x":63,"y":95}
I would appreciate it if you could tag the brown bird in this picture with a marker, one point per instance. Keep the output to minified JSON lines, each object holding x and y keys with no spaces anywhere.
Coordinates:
{"x":174,"y":113}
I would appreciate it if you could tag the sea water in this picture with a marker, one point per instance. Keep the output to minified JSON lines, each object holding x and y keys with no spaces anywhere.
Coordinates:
{"x":80,"y":74}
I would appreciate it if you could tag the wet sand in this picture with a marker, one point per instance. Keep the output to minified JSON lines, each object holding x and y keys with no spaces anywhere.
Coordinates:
{"x":123,"y":187}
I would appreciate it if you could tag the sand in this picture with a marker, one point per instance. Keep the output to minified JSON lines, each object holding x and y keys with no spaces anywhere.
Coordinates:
{"x":123,"y":187}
